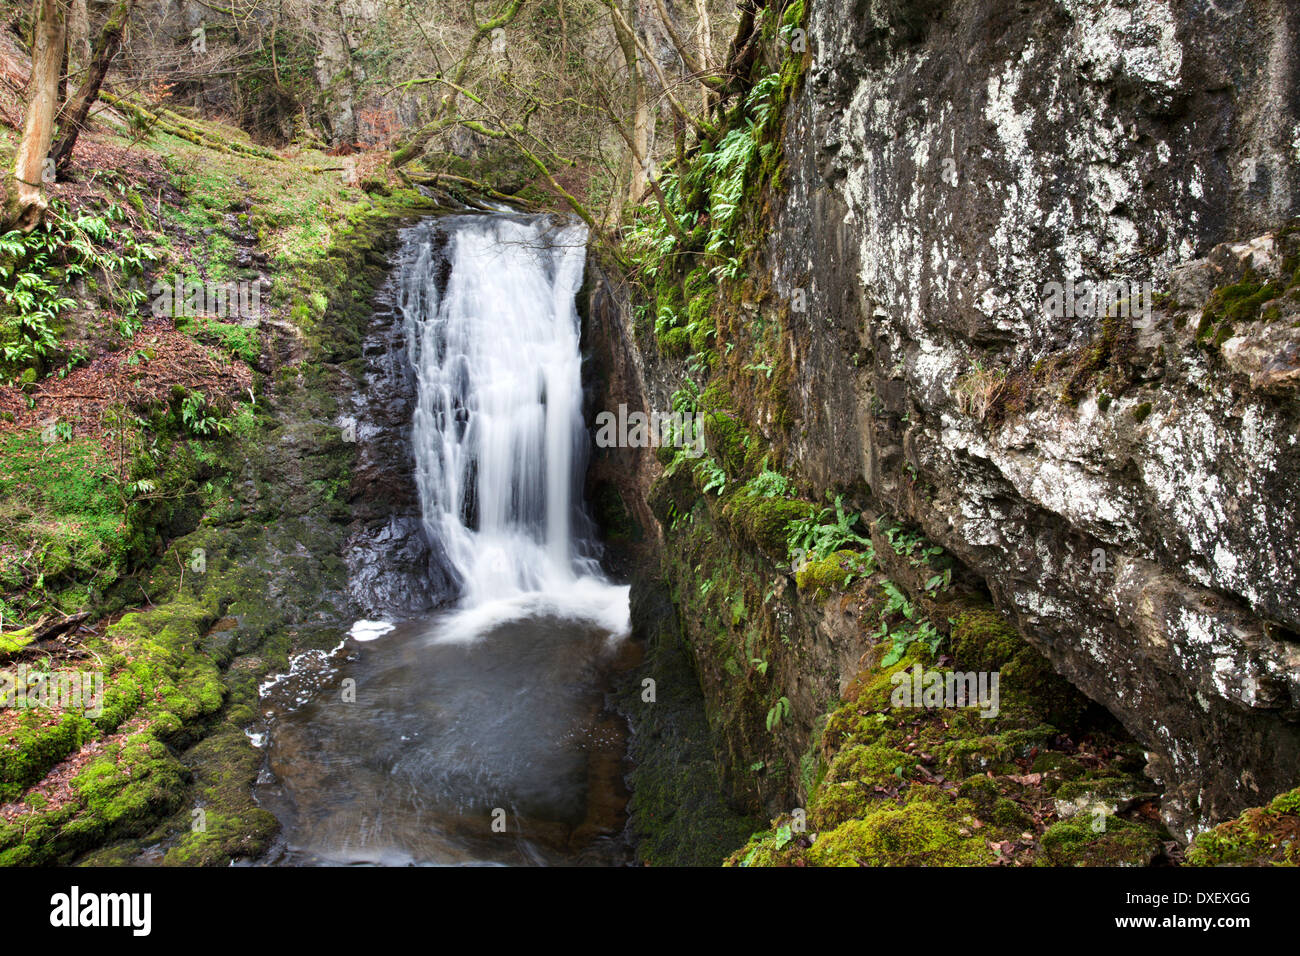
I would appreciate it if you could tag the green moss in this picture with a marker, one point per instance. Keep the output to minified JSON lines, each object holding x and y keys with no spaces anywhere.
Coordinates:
{"x":1107,"y":360}
{"x":765,"y":521}
{"x":678,"y":811}
{"x":1141,"y":412}
{"x":231,"y":823}
{"x":1245,"y":301}
{"x":1075,"y":842}
{"x":11,"y":642}
{"x":1057,"y":764}
{"x":701,"y":336}
{"x":983,"y":640}
{"x":939,"y":785}
{"x":1240,"y":301}
{"x":1262,"y":836}
{"x":62,"y":521}
{"x":35,"y":745}
{"x":674,"y":343}
{"x":1097,"y":784}
{"x":725,"y":434}
{"x":1008,"y":813}
{"x":919,"y":834}
{"x":177,"y":692}
{"x":857,"y":778}
{"x":981,"y":791}
{"x":242,"y":341}
{"x":832,"y":573}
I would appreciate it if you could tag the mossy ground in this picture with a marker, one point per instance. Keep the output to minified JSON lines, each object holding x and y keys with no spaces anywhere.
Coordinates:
{"x":233,"y":546}
{"x":1047,"y":781}
{"x":64,"y":527}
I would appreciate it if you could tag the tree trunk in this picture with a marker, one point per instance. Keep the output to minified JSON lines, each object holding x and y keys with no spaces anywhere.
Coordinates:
{"x":26,"y":206}
{"x":706,"y":49}
{"x":72,"y":119}
{"x":78,"y":36}
{"x":640,"y":138}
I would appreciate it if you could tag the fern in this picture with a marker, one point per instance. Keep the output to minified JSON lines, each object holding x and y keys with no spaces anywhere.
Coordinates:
{"x":822,"y":534}
{"x":712,"y":477}
{"x":769,"y":484}
{"x":35,"y":268}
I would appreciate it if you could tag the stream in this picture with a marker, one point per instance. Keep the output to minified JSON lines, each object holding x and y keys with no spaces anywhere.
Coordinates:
{"x":477,"y":733}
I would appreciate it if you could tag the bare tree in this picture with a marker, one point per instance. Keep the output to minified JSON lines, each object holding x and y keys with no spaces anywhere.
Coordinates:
{"x":72,"y":118}
{"x":444,"y":115}
{"x":78,"y":36}
{"x":25,"y":207}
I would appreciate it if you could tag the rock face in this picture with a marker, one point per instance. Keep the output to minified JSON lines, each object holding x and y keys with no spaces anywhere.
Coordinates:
{"x":1126,"y":485}
{"x":342,"y":29}
{"x":950,"y":161}
{"x":393,"y":567}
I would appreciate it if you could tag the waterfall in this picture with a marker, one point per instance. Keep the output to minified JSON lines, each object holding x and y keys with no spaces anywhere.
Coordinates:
{"x":488,"y":304}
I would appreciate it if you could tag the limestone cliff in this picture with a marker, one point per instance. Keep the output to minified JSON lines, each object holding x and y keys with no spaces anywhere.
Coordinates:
{"x":1124,"y":481}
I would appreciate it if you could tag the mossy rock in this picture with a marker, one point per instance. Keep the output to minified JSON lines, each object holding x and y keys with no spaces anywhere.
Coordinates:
{"x":887,"y":796}
{"x":983,"y":640}
{"x":918,"y":834}
{"x":1262,"y":836}
{"x":232,"y":824}
{"x":765,"y":522}
{"x":857,"y":779}
{"x":1075,"y":842}
{"x":829,"y":574}
{"x":35,"y":745}
{"x":674,"y":343}
{"x":672,"y":493}
{"x":725,"y":434}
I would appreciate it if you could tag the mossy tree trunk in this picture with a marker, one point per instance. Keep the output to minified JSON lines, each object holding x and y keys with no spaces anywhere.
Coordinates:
{"x":72,"y":118}
{"x":414,"y":145}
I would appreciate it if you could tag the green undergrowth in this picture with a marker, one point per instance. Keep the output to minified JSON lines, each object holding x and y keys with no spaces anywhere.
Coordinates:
{"x":236,"y":339}
{"x":79,"y":517}
{"x":91,"y":253}
{"x":691,"y":253}
{"x":64,"y":527}
{"x":226,"y":533}
{"x":1262,"y":836}
{"x":299,"y":214}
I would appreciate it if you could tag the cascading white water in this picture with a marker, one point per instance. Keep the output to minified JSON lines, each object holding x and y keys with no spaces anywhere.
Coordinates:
{"x":498,"y":433}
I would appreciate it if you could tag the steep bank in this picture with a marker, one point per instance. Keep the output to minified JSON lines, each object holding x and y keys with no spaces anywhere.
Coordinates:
{"x":1118,"y":490}
{"x":238,"y":506}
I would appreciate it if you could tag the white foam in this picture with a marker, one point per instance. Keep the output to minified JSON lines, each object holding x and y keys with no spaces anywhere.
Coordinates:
{"x":586,"y":599}
{"x":369,"y":630}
